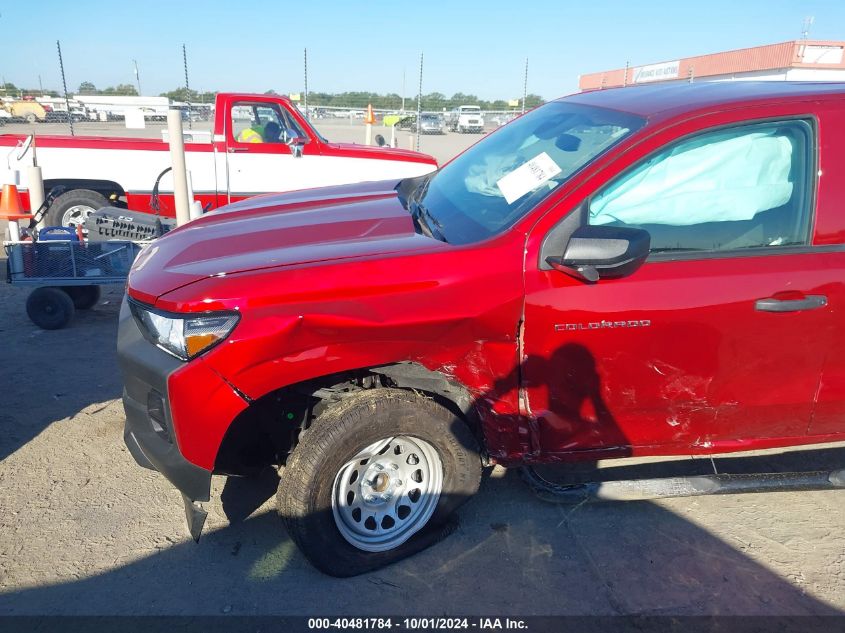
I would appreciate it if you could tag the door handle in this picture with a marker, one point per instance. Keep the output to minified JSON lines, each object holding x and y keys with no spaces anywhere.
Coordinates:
{"x":233,"y":150}
{"x":773,"y":304}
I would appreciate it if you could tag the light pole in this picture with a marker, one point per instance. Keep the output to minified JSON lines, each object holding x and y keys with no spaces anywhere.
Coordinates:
{"x":137,"y":76}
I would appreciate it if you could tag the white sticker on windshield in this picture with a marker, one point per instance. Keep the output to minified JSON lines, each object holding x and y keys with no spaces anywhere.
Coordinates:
{"x":527,"y":177}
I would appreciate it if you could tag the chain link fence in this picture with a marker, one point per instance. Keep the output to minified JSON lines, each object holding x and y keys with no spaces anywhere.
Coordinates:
{"x":442,"y":133}
{"x":432,"y":123}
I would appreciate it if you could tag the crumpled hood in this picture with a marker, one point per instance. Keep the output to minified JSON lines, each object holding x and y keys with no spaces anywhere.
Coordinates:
{"x":307,"y":226}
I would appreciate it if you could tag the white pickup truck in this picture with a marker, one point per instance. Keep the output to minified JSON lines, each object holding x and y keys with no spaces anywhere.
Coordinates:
{"x":284,"y":153}
{"x":466,"y":118}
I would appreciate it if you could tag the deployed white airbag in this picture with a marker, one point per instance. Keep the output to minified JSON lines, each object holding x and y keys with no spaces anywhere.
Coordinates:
{"x":718,"y":177}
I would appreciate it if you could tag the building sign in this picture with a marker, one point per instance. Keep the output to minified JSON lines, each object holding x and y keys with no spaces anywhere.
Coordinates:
{"x":813,"y":54}
{"x":656,"y":72}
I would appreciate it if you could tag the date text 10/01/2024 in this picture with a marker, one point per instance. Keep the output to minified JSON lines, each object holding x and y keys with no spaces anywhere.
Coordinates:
{"x":481,"y":624}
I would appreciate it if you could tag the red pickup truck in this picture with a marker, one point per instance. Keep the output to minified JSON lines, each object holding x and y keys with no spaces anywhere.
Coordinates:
{"x":651,"y":270}
{"x":236,"y":159}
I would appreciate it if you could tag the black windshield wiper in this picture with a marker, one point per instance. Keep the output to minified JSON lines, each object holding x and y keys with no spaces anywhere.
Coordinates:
{"x":428,"y":224}
{"x":420,"y":222}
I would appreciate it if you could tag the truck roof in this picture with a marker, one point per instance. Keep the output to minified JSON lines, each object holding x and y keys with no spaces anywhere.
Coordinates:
{"x":665,"y":100}
{"x":248,"y":96}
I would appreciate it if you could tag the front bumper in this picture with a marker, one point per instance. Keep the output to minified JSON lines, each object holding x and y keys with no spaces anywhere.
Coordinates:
{"x":152,"y":442}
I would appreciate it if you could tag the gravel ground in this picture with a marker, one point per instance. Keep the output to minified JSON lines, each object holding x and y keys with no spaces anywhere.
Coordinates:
{"x":83,"y":530}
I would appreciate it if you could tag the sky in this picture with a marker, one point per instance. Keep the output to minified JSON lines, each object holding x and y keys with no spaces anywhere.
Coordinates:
{"x":468,"y":46}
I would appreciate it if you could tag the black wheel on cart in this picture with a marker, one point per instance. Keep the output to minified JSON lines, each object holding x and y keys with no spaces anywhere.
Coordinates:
{"x":50,"y":308}
{"x":83,"y":297}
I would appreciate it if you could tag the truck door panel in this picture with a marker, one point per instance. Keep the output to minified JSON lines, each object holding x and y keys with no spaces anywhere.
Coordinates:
{"x":689,"y":350}
{"x":829,"y":231}
{"x":256,"y":151}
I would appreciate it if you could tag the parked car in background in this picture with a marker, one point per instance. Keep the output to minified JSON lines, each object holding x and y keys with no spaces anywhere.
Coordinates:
{"x":466,"y":118}
{"x":406,"y":122}
{"x":649,"y":271}
{"x":61,"y":116}
{"x":432,"y":124}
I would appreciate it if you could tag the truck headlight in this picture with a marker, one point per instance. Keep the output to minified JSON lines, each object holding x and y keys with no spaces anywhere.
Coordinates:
{"x":183,"y":336}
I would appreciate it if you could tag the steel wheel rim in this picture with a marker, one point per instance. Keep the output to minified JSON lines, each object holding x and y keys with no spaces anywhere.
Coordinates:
{"x":387,"y":493}
{"x":77,"y":214}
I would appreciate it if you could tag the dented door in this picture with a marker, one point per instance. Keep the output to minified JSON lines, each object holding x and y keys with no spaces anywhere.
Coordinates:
{"x":675,"y":355}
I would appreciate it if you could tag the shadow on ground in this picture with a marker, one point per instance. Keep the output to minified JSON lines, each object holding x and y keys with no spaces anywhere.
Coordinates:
{"x":510,"y":554}
{"x":53,"y":375}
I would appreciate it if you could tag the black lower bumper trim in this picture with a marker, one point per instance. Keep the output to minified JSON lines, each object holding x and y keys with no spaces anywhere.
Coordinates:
{"x":196,"y":517}
{"x":152,"y":452}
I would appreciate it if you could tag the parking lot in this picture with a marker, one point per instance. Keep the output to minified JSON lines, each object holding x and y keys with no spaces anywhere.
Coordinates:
{"x":85,"y":531}
{"x":441,"y":146}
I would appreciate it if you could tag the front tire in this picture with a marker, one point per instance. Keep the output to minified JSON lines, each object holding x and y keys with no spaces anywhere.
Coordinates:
{"x":374,"y":478}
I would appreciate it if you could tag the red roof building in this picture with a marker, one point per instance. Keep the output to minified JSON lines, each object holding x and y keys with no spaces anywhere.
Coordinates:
{"x":799,"y":60}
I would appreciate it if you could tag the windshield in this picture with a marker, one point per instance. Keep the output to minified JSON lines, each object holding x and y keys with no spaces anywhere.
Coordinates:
{"x":497,"y":181}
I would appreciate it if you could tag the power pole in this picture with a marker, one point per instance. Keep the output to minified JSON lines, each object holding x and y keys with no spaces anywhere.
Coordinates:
{"x":137,"y":77}
{"x":419,"y":103}
{"x":187,"y":86}
{"x":305,"y":103}
{"x":64,"y":86}
{"x":525,"y":86}
{"x":806,"y":26}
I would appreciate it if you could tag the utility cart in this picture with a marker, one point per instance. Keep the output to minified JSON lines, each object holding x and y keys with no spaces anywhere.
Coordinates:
{"x":66,"y":275}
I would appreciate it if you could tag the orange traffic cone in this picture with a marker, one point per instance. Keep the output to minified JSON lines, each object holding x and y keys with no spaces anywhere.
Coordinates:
{"x":370,"y":118}
{"x":11,"y":207}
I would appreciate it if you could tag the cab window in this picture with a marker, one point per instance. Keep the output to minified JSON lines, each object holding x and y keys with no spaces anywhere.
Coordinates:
{"x":728,"y":189}
{"x":263,"y":123}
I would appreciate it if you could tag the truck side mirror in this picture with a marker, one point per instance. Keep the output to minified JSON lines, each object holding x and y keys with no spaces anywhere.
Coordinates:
{"x":606,"y":252}
{"x":296,"y":143}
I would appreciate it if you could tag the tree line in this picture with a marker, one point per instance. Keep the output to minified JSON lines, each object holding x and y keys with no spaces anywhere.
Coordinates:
{"x":432,"y":101}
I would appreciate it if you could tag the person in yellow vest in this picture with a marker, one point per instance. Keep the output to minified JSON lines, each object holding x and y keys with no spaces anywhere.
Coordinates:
{"x":253,"y":134}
